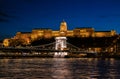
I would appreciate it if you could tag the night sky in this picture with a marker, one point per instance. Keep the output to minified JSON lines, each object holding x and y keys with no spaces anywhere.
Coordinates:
{"x":24,"y":15}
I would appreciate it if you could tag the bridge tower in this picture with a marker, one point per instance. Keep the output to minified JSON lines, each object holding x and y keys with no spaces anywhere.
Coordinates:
{"x":60,"y":45}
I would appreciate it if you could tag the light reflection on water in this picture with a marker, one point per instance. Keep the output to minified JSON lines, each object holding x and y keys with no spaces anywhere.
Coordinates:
{"x":60,"y":68}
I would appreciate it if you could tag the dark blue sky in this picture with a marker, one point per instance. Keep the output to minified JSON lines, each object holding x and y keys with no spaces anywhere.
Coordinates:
{"x":24,"y":15}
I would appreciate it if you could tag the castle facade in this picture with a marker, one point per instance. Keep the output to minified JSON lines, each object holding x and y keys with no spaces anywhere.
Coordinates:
{"x":25,"y":38}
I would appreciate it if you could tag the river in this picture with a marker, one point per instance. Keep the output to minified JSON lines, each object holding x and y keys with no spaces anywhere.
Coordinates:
{"x":60,"y":68}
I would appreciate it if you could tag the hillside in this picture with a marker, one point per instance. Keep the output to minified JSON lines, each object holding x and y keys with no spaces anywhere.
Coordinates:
{"x":81,"y":42}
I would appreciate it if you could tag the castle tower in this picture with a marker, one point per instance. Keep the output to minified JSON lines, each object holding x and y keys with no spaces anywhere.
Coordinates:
{"x":63,"y":28}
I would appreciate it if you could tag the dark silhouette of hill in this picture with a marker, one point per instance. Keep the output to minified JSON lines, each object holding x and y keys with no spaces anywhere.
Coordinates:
{"x":91,"y":41}
{"x":42,"y":41}
{"x":81,"y":42}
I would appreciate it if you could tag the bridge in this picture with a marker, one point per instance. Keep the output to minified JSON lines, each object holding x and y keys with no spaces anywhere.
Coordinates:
{"x":44,"y":48}
{"x":39,"y":51}
{"x":59,"y":48}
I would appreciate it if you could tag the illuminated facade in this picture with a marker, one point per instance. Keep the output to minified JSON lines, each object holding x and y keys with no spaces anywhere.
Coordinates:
{"x":6,"y":42}
{"x":23,"y":37}
{"x":27,"y":37}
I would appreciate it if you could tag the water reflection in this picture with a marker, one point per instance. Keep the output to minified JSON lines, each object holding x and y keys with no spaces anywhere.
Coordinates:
{"x":60,"y":68}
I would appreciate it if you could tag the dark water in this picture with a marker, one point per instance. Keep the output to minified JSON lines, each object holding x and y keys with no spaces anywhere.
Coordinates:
{"x":60,"y":68}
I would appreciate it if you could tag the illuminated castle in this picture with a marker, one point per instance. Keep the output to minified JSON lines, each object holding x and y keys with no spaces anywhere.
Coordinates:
{"x":25,"y":38}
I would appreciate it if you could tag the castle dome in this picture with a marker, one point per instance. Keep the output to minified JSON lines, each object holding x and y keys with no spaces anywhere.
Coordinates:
{"x":63,"y":26}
